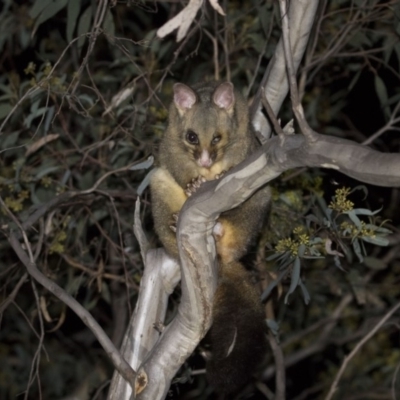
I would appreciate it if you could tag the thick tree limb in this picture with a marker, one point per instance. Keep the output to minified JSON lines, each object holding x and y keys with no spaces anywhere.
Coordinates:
{"x":185,"y":18}
{"x":161,"y":275}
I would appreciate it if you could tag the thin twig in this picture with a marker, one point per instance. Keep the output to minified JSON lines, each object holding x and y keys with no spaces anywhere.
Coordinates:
{"x":271,"y":114}
{"x":280,"y":378}
{"x":34,"y":372}
{"x":10,"y":298}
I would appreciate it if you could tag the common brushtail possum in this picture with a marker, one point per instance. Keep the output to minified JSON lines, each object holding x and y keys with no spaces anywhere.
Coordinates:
{"x":208,"y":133}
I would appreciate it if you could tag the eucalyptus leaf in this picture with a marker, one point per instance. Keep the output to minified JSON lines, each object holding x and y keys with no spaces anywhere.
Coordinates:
{"x":364,"y":211}
{"x":5,"y":109}
{"x":48,"y":119}
{"x":306,"y":294}
{"x":38,"y":113}
{"x":381,"y":91}
{"x":46,"y":170}
{"x":38,"y":7}
{"x":145,"y":182}
{"x":357,"y":250}
{"x":377,"y":240}
{"x":375,"y":263}
{"x":9,"y":140}
{"x":84,"y":25}
{"x":73,"y":10}
{"x":295,"y":278}
{"x":143,"y":165}
{"x":51,"y":9}
{"x":356,"y":221}
{"x":109,"y":26}
{"x":272,"y":285}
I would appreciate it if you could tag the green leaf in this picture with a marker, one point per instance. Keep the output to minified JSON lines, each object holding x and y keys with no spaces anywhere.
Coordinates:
{"x":109,"y":26}
{"x":378,"y":229}
{"x":272,"y":285}
{"x":295,"y":278}
{"x":48,"y":119}
{"x":355,"y":79}
{"x":49,"y":11}
{"x":37,"y":113}
{"x":381,"y":91}
{"x":357,"y":250}
{"x":84,"y":26}
{"x":46,"y":171}
{"x":378,"y":240}
{"x":9,"y":140}
{"x":358,"y":286}
{"x":363,"y":211}
{"x":375,"y":263}
{"x":5,"y":108}
{"x":356,"y":221}
{"x":306,"y":295}
{"x":363,"y":188}
{"x":301,"y":250}
{"x":143,"y":165}
{"x":38,"y":7}
{"x":73,"y":9}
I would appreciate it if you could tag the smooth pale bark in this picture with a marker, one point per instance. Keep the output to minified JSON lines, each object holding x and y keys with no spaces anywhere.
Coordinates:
{"x":276,"y":84}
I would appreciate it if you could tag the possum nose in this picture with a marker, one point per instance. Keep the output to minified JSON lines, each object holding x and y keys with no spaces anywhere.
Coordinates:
{"x":205,"y":159}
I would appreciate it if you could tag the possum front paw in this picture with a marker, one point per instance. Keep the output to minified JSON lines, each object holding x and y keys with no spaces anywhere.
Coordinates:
{"x":221,"y":174}
{"x":218,"y":231}
{"x":174,"y":222}
{"x":194,"y":184}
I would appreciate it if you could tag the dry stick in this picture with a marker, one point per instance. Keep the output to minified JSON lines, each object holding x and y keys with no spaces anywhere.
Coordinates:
{"x":310,"y":135}
{"x":10,"y":298}
{"x":36,"y":357}
{"x":271,"y":114}
{"x":215,"y":54}
{"x":280,"y":378}
{"x":361,"y":343}
{"x":389,"y":125}
{"x":394,"y":382}
{"x":225,"y":46}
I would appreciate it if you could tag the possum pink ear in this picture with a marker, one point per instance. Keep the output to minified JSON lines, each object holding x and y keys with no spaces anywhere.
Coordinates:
{"x":184,"y":97}
{"x":224,"y":96}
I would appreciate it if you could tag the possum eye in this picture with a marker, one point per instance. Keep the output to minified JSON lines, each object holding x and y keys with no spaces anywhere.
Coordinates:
{"x":192,"y":137}
{"x":216,"y":139}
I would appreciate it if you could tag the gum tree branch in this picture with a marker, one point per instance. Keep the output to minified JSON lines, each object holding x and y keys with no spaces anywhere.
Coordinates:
{"x":161,"y":275}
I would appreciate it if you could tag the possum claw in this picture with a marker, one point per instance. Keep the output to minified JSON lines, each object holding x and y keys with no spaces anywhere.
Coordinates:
{"x":194,"y":184}
{"x":173,"y":228}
